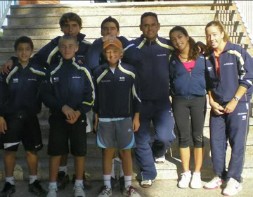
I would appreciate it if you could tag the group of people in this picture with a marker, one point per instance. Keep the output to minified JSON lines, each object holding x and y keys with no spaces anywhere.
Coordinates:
{"x":133,"y":94}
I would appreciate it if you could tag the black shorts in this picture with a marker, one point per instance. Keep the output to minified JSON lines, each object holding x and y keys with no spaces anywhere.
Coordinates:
{"x":62,"y":132}
{"x":24,"y":128}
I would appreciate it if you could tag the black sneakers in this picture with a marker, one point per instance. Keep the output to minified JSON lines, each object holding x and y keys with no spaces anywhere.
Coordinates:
{"x":36,"y":189}
{"x":7,"y":190}
{"x":62,"y":180}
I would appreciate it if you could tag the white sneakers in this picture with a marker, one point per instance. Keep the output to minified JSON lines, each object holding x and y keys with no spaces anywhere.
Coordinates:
{"x":193,"y":180}
{"x":185,"y":180}
{"x":215,"y":183}
{"x":52,"y":192}
{"x":232,"y":187}
{"x":160,"y":159}
{"x":79,"y":191}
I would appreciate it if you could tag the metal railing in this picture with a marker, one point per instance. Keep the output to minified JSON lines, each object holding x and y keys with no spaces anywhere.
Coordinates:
{"x":245,"y":8}
{"x":4,"y":9}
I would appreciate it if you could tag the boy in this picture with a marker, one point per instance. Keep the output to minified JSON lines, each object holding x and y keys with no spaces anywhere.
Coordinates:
{"x":19,"y":105}
{"x":116,"y":103}
{"x":69,"y":94}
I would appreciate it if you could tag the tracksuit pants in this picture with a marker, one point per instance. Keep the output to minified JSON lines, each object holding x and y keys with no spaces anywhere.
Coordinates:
{"x":233,"y":128}
{"x":160,"y":114}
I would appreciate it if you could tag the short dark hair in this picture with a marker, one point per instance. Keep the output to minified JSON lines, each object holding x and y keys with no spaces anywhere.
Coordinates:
{"x":23,"y":39}
{"x":70,"y":16}
{"x":146,"y":14}
{"x":110,"y":20}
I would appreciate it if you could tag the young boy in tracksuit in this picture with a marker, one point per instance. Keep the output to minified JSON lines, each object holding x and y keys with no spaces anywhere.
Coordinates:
{"x":69,"y":94}
{"x":19,"y":105}
{"x":117,"y":113}
{"x":230,"y":76}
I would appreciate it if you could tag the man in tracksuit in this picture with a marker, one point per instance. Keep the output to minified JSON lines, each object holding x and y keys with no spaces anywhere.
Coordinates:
{"x":154,"y":93}
{"x":230,"y":76}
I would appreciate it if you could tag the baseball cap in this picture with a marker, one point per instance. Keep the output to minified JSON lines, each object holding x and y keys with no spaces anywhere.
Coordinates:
{"x":115,"y":42}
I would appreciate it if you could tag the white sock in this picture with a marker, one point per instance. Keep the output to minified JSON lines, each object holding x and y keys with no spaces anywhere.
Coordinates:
{"x":107,"y":181}
{"x":52,"y":185}
{"x":128,"y":181}
{"x":63,"y":169}
{"x":10,"y":179}
{"x":113,"y":170}
{"x":79,"y":183}
{"x":32,"y":178}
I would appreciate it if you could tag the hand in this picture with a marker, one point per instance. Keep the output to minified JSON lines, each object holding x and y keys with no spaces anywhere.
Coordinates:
{"x":7,"y":66}
{"x":136,"y":122}
{"x":69,"y":113}
{"x":3,"y":125}
{"x":230,"y":107}
{"x":217,"y":108}
{"x":77,"y":115}
{"x":95,"y":126}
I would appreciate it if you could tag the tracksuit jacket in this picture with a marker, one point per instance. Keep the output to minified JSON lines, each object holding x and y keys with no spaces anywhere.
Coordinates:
{"x":19,"y":90}
{"x":224,"y":89}
{"x":116,"y":93}
{"x":68,"y":84}
{"x":187,"y":84}
{"x":154,"y":80}
{"x":50,"y":54}
{"x":96,"y":57}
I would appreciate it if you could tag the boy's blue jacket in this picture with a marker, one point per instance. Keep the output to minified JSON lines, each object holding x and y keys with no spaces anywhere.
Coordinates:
{"x":116,"y":93}
{"x":68,"y":84}
{"x":95,"y":54}
{"x":153,"y":70}
{"x":236,"y":68}
{"x":184,"y":83}
{"x":19,"y":90}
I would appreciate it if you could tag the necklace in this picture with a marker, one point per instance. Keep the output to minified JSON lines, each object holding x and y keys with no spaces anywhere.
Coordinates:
{"x":183,"y":57}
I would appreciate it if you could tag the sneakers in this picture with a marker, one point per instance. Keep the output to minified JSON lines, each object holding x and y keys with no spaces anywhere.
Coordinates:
{"x":114,"y":182}
{"x":196,"y":182}
{"x":36,"y":188}
{"x":232,"y":187}
{"x":185,"y":180}
{"x":105,"y":192}
{"x":215,"y":183}
{"x":78,"y":191}
{"x":131,"y":192}
{"x":62,"y":180}
{"x":86,"y":183}
{"x":7,"y":190}
{"x":146,"y":183}
{"x":160,"y":159}
{"x":52,"y":192}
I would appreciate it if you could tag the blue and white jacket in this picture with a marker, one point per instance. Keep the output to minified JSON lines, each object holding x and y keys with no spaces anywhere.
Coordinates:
{"x":68,"y":84}
{"x":19,"y":89}
{"x":153,"y":70}
{"x":236,"y":68}
{"x":116,"y":93}
{"x":187,"y":84}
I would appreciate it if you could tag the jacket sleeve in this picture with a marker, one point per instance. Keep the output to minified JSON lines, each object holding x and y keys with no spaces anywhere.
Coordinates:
{"x":89,"y":93}
{"x":3,"y":93}
{"x":136,"y":93}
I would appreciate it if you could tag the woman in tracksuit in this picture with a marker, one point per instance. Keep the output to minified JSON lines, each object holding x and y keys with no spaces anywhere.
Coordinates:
{"x":230,"y":75}
{"x":188,"y":90}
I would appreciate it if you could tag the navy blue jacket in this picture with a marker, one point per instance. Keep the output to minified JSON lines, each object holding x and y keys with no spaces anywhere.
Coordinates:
{"x":236,"y":68}
{"x":153,"y":70}
{"x":184,"y":83}
{"x":96,"y":57}
{"x":68,"y":84}
{"x":19,"y":90}
{"x":116,"y":93}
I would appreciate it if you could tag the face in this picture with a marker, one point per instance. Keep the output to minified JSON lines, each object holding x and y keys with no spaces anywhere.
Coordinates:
{"x":214,"y":37}
{"x":68,"y":48}
{"x":113,"y":55}
{"x":179,"y":40}
{"x":24,"y":52}
{"x":150,"y":27}
{"x":109,"y":28}
{"x":71,"y":28}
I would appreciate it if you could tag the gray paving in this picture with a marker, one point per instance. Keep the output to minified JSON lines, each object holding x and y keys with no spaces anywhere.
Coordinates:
{"x":160,"y":188}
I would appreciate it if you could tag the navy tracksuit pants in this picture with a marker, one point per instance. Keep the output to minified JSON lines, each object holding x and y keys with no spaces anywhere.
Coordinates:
{"x":160,"y":114}
{"x":232,"y":128}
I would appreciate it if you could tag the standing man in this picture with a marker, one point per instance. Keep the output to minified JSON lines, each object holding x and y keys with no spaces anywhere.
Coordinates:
{"x":156,"y":107}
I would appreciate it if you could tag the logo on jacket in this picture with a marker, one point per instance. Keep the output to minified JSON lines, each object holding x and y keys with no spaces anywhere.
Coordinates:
{"x":15,"y":80}
{"x":33,"y":79}
{"x":209,"y":68}
{"x":161,"y":55}
{"x":122,"y":79}
{"x":76,"y":77}
{"x":56,"y":79}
